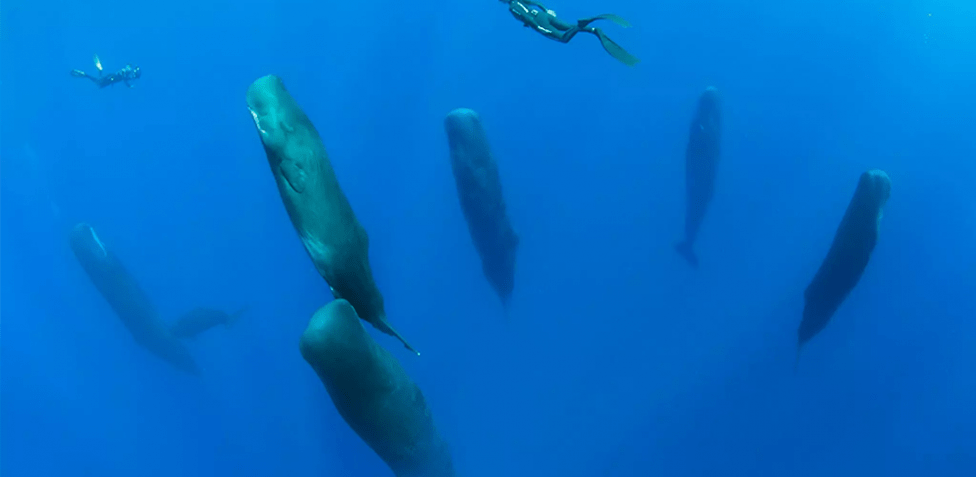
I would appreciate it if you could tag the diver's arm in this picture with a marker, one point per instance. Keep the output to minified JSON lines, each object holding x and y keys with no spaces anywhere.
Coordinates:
{"x":525,"y":4}
{"x":547,"y":32}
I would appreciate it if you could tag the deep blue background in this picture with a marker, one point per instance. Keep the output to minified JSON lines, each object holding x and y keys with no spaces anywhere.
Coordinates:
{"x":617,"y":359}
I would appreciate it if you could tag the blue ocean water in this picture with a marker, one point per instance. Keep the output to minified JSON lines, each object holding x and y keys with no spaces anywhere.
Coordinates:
{"x":615,"y":357}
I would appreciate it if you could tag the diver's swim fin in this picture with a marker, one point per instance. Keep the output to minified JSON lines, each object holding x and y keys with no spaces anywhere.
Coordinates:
{"x":98,"y":63}
{"x":616,"y":50}
{"x":78,"y":74}
{"x":611,"y":17}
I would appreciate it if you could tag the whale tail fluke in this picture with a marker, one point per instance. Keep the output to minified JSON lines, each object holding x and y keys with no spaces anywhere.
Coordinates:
{"x":385,"y":327}
{"x":796,"y":362}
{"x":684,"y":249}
{"x":506,"y":307}
{"x":234,"y":317}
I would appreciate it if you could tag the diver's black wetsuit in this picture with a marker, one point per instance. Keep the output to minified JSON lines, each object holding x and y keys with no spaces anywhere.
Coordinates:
{"x":539,"y":18}
{"x":125,"y":75}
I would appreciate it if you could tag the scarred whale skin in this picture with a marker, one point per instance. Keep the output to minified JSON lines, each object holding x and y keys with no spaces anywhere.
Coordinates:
{"x":334,"y":239}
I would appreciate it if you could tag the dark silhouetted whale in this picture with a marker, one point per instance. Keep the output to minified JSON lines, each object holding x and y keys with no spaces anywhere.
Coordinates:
{"x":127,"y":299}
{"x":701,"y":163}
{"x":480,"y":192}
{"x":848,"y":255}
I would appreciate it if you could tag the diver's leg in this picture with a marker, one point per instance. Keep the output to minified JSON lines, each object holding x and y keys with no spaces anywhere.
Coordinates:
{"x":82,"y":74}
{"x":561,"y":31}
{"x":560,"y":25}
{"x":568,"y":34}
{"x":614,"y":49}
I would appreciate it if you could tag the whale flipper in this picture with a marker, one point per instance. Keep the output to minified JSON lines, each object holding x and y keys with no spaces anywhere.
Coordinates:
{"x":294,"y":175}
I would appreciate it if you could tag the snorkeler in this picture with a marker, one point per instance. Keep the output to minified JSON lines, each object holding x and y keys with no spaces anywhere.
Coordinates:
{"x":125,"y":75}
{"x":543,"y":20}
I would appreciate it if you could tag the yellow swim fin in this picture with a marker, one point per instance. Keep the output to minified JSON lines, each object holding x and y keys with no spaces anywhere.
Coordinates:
{"x":98,"y":63}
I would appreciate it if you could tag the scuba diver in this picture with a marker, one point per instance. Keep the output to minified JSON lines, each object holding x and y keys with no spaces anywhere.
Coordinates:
{"x":125,"y":75}
{"x":543,"y":20}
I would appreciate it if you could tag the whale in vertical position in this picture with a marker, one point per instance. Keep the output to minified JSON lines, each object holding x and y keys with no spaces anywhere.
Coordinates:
{"x":701,"y":164}
{"x":373,"y":393}
{"x":334,"y":239}
{"x":479,"y":190}
{"x":848,"y":255}
{"x":127,"y":299}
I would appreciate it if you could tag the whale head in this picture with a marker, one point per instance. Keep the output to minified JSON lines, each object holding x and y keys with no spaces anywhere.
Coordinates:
{"x":265,"y":98}
{"x":709,"y":102}
{"x":84,"y":240}
{"x":875,"y":187}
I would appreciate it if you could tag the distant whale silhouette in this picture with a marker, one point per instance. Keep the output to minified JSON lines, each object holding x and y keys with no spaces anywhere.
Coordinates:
{"x":333,"y":238}
{"x":373,"y":393}
{"x":701,"y":164}
{"x":128,"y":300}
{"x":480,"y":193}
{"x":848,"y":255}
